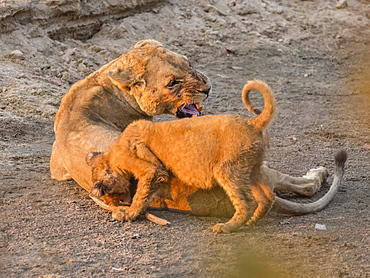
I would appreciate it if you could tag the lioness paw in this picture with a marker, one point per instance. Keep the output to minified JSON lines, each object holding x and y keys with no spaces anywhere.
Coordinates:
{"x":321,"y":173}
{"x":315,"y":178}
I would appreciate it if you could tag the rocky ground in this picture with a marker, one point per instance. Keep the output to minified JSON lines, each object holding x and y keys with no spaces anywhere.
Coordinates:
{"x":314,"y":54}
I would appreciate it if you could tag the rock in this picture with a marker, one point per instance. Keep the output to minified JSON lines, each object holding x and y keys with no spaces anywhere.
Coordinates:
{"x":228,"y":52}
{"x":57,"y":82}
{"x":210,"y":17}
{"x":287,"y":41}
{"x":341,"y":4}
{"x":246,"y":8}
{"x":320,"y":227}
{"x":16,"y":54}
{"x":82,"y":68}
{"x":211,"y":8}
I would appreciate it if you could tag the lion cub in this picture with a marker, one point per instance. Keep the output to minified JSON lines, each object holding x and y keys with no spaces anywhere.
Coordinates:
{"x":224,"y":150}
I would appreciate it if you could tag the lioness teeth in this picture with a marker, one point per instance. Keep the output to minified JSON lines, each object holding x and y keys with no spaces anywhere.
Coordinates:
{"x":188,"y":110}
{"x":199,"y":108}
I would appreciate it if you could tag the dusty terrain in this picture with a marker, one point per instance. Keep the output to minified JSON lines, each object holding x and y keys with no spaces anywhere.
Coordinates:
{"x":314,"y":55}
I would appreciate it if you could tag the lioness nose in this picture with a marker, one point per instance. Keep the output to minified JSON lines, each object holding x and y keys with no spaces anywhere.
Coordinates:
{"x":206,"y":91}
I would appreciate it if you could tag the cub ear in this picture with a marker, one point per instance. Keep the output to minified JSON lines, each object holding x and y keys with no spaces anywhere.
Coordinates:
{"x":90,"y":157}
{"x":99,"y":190}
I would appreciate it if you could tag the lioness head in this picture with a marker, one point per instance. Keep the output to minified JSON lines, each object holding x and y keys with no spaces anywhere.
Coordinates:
{"x":161,"y":81}
{"x":105,"y":180}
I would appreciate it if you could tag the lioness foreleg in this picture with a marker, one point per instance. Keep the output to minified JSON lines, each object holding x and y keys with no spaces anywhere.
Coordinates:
{"x":57,"y":169}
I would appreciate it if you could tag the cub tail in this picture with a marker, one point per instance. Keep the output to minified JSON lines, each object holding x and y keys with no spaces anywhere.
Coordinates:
{"x":263,"y":118}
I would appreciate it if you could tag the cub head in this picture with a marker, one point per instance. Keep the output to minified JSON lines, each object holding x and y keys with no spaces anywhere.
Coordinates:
{"x":161,"y":81}
{"x":105,"y":180}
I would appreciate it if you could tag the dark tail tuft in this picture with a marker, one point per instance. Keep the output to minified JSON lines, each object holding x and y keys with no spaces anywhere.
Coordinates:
{"x":340,"y":158}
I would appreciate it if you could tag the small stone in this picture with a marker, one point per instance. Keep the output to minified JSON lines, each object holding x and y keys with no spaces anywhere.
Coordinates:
{"x":320,"y":227}
{"x":136,"y":236}
{"x":228,"y":52}
{"x":341,"y":4}
{"x":211,"y":8}
{"x":287,"y":41}
{"x":57,"y":82}
{"x":82,"y":68}
{"x":16,"y":54}
{"x":236,"y":68}
{"x":284,"y":222}
{"x":210,"y":17}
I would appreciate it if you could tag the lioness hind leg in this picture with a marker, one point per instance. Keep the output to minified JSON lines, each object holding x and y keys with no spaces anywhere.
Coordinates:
{"x":57,"y":170}
{"x":306,"y":185}
{"x":238,"y":194}
{"x":265,"y":198}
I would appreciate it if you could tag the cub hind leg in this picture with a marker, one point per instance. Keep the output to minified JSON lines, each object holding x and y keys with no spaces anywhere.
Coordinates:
{"x":240,"y":194}
{"x":265,"y":198}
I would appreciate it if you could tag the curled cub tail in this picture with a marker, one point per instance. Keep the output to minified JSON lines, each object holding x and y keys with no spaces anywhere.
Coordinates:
{"x":263,"y":118}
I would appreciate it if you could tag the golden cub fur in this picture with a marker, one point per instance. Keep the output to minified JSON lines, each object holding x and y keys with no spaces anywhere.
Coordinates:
{"x":224,"y":150}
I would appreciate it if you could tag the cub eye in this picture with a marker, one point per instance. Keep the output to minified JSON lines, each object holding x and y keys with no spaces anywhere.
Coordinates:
{"x":173,"y":83}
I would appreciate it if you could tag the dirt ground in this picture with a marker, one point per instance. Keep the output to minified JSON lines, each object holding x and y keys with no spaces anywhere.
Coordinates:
{"x":315,"y":56}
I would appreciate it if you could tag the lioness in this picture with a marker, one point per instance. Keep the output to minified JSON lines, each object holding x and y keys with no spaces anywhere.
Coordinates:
{"x":149,"y":80}
{"x":146,"y":81}
{"x":224,"y":150}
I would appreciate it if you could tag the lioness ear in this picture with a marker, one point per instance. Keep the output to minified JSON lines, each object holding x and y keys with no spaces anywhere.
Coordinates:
{"x":123,"y":76}
{"x":126,"y":78}
{"x":90,"y":157}
{"x":147,"y":43}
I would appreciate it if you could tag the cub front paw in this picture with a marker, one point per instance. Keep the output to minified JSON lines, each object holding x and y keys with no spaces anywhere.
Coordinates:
{"x":123,"y":215}
{"x":251,"y":223}
{"x":224,"y":228}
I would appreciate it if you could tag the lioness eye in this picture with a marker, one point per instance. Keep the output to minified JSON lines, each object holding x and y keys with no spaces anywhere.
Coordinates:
{"x":173,"y":83}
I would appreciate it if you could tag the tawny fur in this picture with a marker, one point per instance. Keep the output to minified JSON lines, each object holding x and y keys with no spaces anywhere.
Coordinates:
{"x":224,"y":150}
{"x":148,"y":80}
{"x":134,"y":86}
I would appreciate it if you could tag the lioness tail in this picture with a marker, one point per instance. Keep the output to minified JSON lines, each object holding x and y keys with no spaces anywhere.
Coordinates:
{"x":293,"y":208}
{"x":263,"y":118}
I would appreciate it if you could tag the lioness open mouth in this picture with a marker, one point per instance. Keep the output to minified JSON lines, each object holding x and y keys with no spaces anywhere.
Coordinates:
{"x":188,"y":110}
